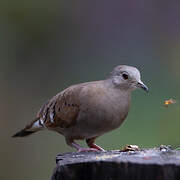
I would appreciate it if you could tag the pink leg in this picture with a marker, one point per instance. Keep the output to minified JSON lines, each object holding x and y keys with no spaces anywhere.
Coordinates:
{"x":81,"y":149}
{"x":78,"y":147}
{"x":90,"y":143}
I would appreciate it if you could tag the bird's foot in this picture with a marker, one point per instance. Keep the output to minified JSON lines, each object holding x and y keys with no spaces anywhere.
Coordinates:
{"x":95,"y":146}
{"x":87,"y":150}
{"x":92,"y":147}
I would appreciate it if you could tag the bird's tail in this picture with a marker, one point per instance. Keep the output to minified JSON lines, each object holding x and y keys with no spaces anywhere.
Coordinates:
{"x":23,"y":133}
{"x":29,"y":129}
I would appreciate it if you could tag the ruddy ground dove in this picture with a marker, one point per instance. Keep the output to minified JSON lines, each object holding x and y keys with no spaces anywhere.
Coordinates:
{"x":88,"y":110}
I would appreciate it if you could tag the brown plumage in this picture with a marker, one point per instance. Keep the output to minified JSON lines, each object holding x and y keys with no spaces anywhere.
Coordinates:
{"x":88,"y":110}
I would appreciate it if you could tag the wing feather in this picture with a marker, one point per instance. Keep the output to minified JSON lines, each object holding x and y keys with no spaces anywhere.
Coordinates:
{"x":62,"y":110}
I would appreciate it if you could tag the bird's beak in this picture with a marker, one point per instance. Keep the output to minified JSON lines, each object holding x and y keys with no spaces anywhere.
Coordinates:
{"x":143,"y":86}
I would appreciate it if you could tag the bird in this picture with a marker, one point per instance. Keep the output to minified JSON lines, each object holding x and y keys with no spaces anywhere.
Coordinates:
{"x":88,"y":110}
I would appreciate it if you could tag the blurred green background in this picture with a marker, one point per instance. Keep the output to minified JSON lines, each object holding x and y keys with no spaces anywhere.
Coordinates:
{"x":45,"y":46}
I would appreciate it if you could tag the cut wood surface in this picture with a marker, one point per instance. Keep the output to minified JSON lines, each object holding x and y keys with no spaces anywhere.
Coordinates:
{"x":160,"y":163}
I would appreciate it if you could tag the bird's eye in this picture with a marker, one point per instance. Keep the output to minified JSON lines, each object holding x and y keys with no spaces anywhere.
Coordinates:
{"x":125,"y":76}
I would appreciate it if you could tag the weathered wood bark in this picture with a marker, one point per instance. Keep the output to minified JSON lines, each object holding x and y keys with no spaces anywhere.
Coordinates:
{"x":160,"y":163}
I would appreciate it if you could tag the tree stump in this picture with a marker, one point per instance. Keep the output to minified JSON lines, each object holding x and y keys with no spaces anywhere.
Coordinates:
{"x":161,"y":163}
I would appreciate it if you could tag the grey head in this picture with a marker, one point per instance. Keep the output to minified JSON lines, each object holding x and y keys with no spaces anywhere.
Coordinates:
{"x":127,"y":78}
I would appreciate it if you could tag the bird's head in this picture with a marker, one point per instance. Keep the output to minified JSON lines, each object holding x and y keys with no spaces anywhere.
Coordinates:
{"x":127,"y":77}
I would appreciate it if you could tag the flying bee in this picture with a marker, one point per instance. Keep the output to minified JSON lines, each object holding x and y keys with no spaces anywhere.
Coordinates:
{"x":169,"y":101}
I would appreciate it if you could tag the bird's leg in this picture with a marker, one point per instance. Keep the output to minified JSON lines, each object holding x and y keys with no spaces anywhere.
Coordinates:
{"x":78,"y":147}
{"x":90,"y":143}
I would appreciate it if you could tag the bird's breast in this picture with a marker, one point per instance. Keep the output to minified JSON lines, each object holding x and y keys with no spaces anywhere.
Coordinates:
{"x":101,"y":110}
{"x":104,"y":112}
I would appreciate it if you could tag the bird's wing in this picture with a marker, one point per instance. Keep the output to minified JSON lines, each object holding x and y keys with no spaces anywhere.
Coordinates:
{"x":62,"y":110}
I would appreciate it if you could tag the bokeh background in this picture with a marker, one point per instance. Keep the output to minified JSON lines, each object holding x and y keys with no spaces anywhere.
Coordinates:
{"x":46,"y":46}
